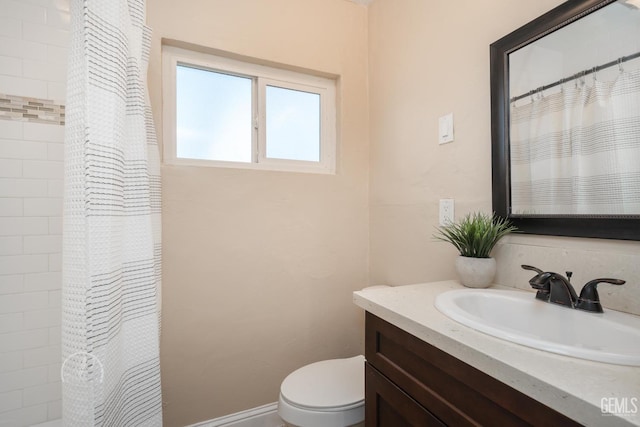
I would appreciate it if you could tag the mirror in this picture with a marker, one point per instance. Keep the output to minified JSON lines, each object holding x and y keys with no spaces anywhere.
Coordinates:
{"x":565,"y":110}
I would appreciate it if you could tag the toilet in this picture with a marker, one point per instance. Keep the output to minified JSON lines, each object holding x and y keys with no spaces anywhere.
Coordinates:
{"x":329,"y":393}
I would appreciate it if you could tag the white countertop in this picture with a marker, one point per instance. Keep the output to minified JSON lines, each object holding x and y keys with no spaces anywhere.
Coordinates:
{"x":571,"y":386}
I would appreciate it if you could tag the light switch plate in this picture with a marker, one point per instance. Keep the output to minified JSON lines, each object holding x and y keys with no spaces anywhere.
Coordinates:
{"x":445,"y":129}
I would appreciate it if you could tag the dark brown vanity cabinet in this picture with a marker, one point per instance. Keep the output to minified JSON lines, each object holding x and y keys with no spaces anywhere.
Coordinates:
{"x":412,"y":383}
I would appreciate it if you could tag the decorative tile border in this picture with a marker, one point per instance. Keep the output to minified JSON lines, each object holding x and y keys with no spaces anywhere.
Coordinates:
{"x":22,"y":108}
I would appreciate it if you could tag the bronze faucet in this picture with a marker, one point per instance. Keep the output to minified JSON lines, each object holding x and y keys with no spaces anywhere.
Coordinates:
{"x":557,"y":289}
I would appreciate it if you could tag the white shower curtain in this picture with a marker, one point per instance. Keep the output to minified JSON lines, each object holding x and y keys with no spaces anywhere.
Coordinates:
{"x":578,"y":151}
{"x":111,"y":241}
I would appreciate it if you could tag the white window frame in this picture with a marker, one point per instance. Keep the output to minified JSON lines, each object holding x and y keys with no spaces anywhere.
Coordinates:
{"x":262,"y":76}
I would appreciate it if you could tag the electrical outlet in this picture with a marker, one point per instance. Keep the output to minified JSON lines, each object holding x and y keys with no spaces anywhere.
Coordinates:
{"x":446,"y":211}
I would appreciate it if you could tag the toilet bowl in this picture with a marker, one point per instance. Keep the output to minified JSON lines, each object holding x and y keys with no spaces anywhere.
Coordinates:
{"x":329,"y":393}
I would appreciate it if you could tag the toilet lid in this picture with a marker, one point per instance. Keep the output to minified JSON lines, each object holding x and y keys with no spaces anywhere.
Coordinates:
{"x":328,"y":384}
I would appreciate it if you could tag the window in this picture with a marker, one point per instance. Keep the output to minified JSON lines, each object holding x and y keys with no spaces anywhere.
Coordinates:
{"x":225,"y":112}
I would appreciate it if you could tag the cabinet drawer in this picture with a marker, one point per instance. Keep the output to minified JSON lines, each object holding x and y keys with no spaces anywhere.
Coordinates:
{"x":388,"y":406}
{"x":456,"y":393}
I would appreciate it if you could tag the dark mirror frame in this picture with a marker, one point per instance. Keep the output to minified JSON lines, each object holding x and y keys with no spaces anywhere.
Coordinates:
{"x":612,"y":227}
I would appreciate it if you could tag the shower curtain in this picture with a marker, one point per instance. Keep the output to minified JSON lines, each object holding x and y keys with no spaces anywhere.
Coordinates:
{"x":577,"y":151}
{"x":111,"y":241}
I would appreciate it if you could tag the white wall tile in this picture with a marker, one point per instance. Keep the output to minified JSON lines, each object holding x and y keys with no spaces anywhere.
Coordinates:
{"x":55,"y":151}
{"x":55,"y":225}
{"x":42,"y":318}
{"x":10,"y":284}
{"x":10,"y":361}
{"x":55,"y":335}
{"x":34,"y":225}
{"x":55,"y":262}
{"x":54,"y":371}
{"x":34,"y":36}
{"x":18,"y":264}
{"x":23,"y":340}
{"x":22,"y":49}
{"x":22,"y":86}
{"x":10,"y":400}
{"x":18,"y":226}
{"x":42,"y":281}
{"x":10,"y":130}
{"x":10,"y":66}
{"x":10,"y":27}
{"x":43,"y":207}
{"x":45,"y":34}
{"x":61,"y":5}
{"x":58,"y":54}
{"x":16,"y":380}
{"x":57,"y":91}
{"x":54,"y":410}
{"x":14,"y":149}
{"x":15,"y":187}
{"x":58,"y":18}
{"x":42,"y":394}
{"x":42,"y":244}
{"x":10,"y":207}
{"x":41,"y":70}
{"x":43,"y":132}
{"x":55,"y":187}
{"x":26,"y":417}
{"x":43,"y":3}
{"x":15,"y":303}
{"x":10,"y":322}
{"x":10,"y":168}
{"x":23,"y":11}
{"x":49,"y":169}
{"x":55,"y":298}
{"x":42,"y":356}
{"x":11,"y":245}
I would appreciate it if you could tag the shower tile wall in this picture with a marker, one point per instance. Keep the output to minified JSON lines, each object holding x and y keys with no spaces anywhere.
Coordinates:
{"x":33,"y":58}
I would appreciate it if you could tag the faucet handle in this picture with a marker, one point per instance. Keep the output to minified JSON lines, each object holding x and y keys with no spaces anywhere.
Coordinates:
{"x":589,"y":299}
{"x":540,"y":282}
{"x":532,"y":268}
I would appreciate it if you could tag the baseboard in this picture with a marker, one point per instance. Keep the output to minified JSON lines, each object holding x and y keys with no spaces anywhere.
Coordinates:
{"x":262,"y":416}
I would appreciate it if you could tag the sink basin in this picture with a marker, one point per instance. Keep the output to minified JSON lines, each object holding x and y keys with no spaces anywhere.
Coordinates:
{"x":516,"y":316}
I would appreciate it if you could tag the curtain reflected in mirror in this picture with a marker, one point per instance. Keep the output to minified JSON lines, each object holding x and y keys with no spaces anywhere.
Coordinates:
{"x":574,"y":118}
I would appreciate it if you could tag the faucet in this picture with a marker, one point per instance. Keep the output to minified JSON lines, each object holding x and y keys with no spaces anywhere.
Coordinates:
{"x":555,"y":288}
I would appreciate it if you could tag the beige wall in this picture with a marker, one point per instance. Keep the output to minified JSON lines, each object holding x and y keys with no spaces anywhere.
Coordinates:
{"x":259,"y":266}
{"x":429,"y":58}
{"x":426,"y":59}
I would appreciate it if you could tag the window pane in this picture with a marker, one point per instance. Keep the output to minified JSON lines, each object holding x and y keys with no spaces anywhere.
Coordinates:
{"x":293,"y":124}
{"x":213,"y":115}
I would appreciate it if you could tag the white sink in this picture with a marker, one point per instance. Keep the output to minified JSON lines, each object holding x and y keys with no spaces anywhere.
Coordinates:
{"x":516,"y":316}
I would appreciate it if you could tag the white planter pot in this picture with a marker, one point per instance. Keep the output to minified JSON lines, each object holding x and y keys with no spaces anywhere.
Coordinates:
{"x":476,"y":272}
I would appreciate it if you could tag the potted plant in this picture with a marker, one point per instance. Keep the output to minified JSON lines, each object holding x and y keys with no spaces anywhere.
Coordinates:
{"x":474,"y":236}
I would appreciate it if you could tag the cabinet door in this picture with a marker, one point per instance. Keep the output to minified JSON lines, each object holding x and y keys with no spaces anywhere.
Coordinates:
{"x":455,"y":392}
{"x":388,"y":406}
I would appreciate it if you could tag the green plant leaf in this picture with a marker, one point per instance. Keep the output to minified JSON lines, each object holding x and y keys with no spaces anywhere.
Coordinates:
{"x":476,"y":234}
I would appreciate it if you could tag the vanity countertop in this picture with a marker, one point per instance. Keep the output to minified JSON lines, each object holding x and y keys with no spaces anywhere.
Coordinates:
{"x":571,"y":386}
